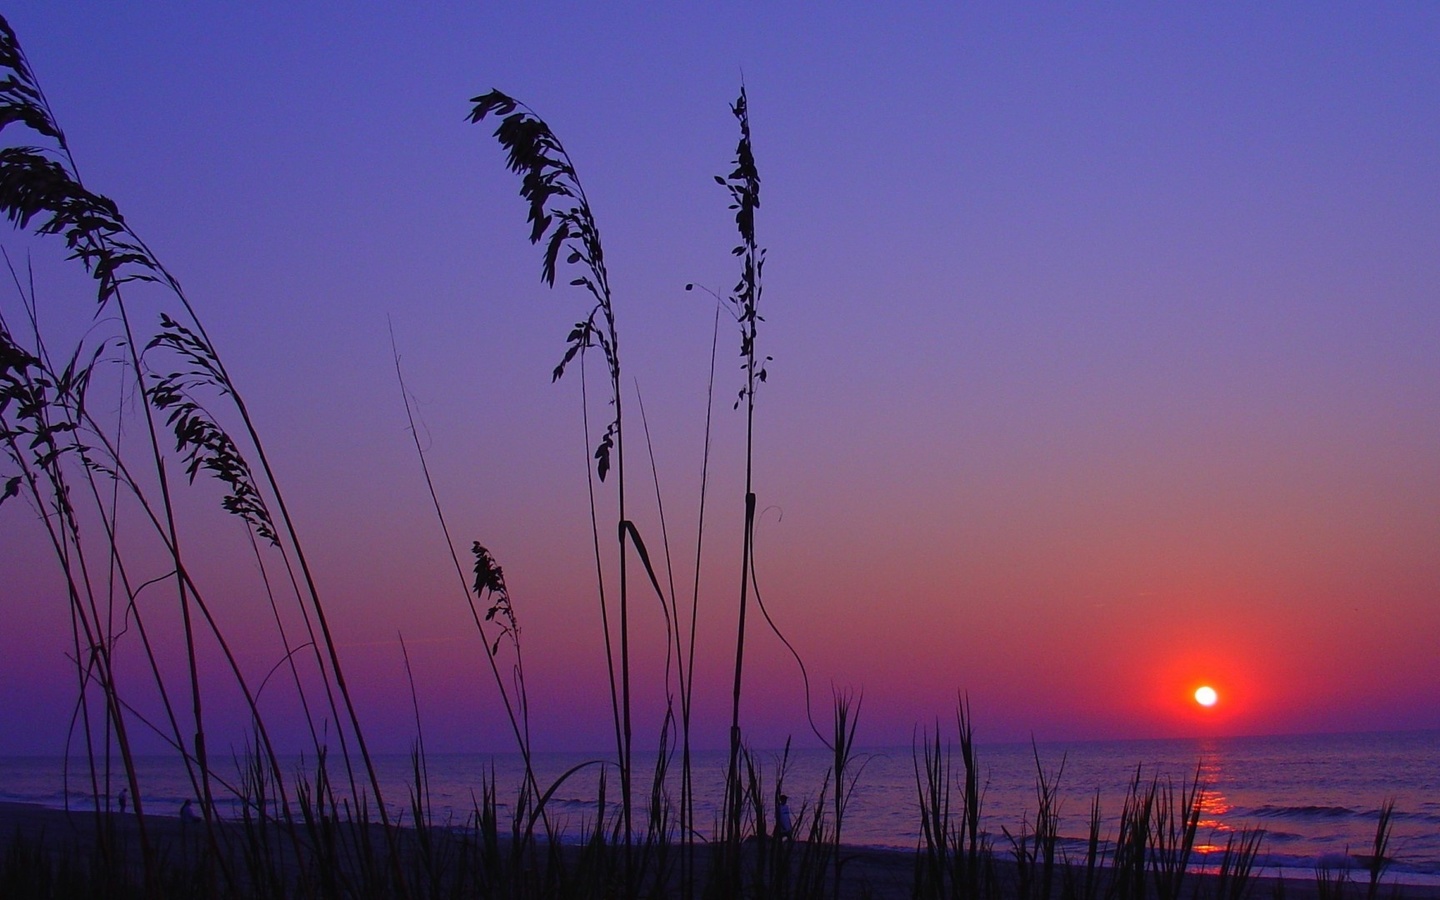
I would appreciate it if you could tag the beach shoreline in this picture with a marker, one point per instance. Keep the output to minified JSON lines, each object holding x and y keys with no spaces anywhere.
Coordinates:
{"x":866,"y":871}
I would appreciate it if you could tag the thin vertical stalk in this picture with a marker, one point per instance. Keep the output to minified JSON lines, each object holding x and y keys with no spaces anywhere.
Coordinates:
{"x":1380,"y":847}
{"x":743,"y":184}
{"x":687,"y":787}
{"x":560,"y":215}
{"x":599,"y":567}
{"x":492,"y":580}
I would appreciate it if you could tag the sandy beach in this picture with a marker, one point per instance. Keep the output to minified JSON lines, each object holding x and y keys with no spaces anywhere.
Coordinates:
{"x":67,"y":837}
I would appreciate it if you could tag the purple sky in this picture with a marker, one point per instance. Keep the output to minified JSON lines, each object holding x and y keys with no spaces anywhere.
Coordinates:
{"x":1105,"y":344}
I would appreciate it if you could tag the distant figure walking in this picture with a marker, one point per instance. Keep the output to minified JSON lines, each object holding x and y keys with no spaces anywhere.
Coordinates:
{"x":124,"y":798}
{"x":783,"y":824}
{"x":187,"y":813}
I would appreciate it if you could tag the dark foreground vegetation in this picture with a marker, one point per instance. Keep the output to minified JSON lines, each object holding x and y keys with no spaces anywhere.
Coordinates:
{"x":332,"y":852}
{"x":95,"y":433}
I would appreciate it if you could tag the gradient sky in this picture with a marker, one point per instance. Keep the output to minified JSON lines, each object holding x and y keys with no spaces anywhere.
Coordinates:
{"x":1105,"y":345}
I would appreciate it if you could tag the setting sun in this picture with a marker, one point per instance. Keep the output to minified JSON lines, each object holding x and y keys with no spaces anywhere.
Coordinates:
{"x":1206,"y":696}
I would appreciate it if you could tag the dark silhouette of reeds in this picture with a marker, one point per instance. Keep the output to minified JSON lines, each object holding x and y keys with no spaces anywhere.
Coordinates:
{"x":327,"y":831}
{"x":954,"y":859}
{"x":562,"y":220}
{"x":743,"y":184}
{"x":1149,"y":856}
{"x":1033,"y":846}
{"x":1237,"y":864}
{"x":561,"y":217}
{"x":73,"y":467}
{"x":1333,"y":880}
{"x":1378,"y":860}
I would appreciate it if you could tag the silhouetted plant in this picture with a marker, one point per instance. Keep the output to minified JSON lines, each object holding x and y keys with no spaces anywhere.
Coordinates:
{"x":61,"y":452}
{"x":954,"y":858}
{"x":1332,"y":882}
{"x":1378,"y":860}
{"x":1237,"y":864}
{"x":1081,"y":879}
{"x":1034,"y":849}
{"x":743,"y":184}
{"x":1172,"y":836}
{"x":486,"y":587}
{"x":560,"y":216}
{"x":40,"y":190}
{"x":198,"y":439}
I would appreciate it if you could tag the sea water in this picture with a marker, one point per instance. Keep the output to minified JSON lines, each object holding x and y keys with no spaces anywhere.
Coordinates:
{"x":1317,"y":798}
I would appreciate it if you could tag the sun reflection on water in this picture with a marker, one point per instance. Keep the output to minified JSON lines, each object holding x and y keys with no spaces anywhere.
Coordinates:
{"x":1213,"y":803}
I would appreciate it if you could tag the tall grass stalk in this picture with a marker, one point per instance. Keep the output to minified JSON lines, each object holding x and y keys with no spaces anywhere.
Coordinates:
{"x":847,"y":770}
{"x":954,"y":857}
{"x":1173,"y":832}
{"x":561,"y":219}
{"x":1133,"y":841}
{"x":488,"y":584}
{"x":973,"y":851}
{"x":1081,"y":880}
{"x":1237,"y":864}
{"x":932,"y":763}
{"x":40,"y":189}
{"x":687,"y":672}
{"x":1034,"y":850}
{"x":1375,"y":865}
{"x":743,"y":184}
{"x":560,"y":215}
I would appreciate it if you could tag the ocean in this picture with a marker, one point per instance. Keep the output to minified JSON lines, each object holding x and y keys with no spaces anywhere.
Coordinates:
{"x":1317,"y":797}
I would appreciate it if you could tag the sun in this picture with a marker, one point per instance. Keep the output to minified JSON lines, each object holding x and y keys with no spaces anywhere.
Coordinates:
{"x":1206,"y":696}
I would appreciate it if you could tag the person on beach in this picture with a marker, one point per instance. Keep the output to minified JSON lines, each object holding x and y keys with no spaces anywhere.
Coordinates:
{"x":187,"y":812}
{"x":782,"y":819}
{"x":123,"y":798}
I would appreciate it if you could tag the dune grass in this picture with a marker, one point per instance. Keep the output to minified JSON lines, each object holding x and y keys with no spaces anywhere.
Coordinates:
{"x":106,"y":500}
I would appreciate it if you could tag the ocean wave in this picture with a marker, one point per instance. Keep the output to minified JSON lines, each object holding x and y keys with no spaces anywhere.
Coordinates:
{"x":1302,"y":812}
{"x":1283,"y":837}
{"x":1306,"y":865}
{"x":43,"y":798}
{"x":1401,"y":816}
{"x":1333,"y":812}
